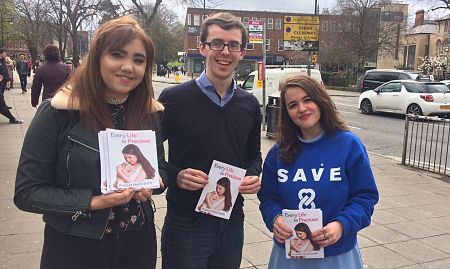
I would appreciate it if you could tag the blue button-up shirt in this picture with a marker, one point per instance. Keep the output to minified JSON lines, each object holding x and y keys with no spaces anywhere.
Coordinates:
{"x":208,"y":88}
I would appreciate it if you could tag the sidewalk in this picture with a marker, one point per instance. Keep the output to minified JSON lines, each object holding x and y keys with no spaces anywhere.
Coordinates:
{"x":410,"y":227}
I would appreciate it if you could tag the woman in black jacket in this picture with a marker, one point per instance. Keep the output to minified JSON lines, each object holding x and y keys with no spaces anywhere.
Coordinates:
{"x":59,"y":169}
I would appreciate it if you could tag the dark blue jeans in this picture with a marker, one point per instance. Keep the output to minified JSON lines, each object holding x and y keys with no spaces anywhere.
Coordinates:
{"x":202,"y":242}
{"x":23,"y":81}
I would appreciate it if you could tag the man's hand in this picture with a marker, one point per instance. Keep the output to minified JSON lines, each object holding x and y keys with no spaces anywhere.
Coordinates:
{"x":192,"y":179}
{"x":250,"y":185}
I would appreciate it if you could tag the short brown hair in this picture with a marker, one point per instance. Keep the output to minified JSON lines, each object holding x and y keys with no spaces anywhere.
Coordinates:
{"x":330,"y":119}
{"x":51,"y":53}
{"x":225,"y":21}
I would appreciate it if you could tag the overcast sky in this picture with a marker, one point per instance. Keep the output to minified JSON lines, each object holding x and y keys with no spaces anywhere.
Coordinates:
{"x":301,"y":6}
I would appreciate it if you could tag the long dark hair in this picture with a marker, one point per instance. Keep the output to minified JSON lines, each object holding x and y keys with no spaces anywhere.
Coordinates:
{"x":303,"y":227}
{"x":134,"y":150}
{"x":225,"y":182}
{"x":89,"y":88}
{"x":330,"y":119}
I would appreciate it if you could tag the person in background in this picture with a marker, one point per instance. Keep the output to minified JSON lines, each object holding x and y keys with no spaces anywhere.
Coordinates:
{"x":51,"y":75}
{"x":317,"y":163}
{"x":23,"y":71}
{"x":59,"y":167}
{"x":4,"y":77}
{"x":207,"y":119}
{"x":4,"y":73}
{"x":10,"y":64}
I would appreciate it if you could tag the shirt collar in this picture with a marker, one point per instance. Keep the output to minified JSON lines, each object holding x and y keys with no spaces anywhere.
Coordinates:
{"x":205,"y":83}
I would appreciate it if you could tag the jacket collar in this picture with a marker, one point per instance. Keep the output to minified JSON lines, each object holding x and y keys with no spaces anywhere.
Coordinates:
{"x":61,"y":100}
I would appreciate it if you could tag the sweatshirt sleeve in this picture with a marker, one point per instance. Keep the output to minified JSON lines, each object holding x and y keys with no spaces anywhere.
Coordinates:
{"x":271,"y":204}
{"x":363,"y":195}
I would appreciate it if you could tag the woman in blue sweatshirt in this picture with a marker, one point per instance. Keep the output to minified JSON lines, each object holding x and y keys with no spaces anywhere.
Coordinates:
{"x":317,"y":164}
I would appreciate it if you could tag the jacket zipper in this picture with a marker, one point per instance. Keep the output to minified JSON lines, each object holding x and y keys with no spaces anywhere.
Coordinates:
{"x":68,"y":155}
{"x":74,"y":216}
{"x":82,"y":143}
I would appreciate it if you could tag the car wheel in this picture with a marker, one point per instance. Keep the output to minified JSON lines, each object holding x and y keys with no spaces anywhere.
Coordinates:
{"x":366,"y":107}
{"x":414,"y":109}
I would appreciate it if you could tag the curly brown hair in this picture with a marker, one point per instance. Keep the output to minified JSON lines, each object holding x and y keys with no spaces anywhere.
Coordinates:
{"x":330,"y":119}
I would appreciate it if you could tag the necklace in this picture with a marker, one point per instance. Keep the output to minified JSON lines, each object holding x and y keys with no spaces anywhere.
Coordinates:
{"x":116,"y":101}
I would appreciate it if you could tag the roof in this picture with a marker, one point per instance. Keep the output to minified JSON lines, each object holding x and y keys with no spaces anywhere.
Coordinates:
{"x":424,"y":29}
{"x":447,"y":17}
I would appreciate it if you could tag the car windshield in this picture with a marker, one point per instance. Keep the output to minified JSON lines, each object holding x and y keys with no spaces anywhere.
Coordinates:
{"x":435,"y":88}
{"x":425,"y":87}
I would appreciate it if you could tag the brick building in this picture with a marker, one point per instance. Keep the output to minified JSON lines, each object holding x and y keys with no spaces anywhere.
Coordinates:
{"x":275,"y":53}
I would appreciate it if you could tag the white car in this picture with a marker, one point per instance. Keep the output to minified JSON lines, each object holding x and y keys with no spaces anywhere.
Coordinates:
{"x":407,"y":97}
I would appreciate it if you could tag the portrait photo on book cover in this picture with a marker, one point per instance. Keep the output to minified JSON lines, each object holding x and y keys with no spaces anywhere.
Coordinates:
{"x":302,"y":242}
{"x":136,"y":168}
{"x":218,"y":199}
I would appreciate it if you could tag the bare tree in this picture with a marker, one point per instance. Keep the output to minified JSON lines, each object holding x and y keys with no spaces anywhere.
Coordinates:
{"x":78,"y":12}
{"x":31,"y":14}
{"x":58,"y":23}
{"x":367,"y":33}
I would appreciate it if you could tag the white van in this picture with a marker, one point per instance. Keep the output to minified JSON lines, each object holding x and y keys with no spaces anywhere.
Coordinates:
{"x":273,"y":78}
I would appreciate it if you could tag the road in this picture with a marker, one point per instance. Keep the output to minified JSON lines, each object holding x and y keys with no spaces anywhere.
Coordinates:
{"x":381,"y":133}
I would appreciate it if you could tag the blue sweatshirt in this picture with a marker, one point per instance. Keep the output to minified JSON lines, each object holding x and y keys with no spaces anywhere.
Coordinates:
{"x":332,"y":173}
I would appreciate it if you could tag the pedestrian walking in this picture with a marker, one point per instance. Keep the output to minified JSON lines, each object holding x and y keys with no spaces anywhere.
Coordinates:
{"x":51,"y":75}
{"x":10,"y":65}
{"x":23,"y":71}
{"x":207,"y":119}
{"x":59,"y":167}
{"x":316,"y":164}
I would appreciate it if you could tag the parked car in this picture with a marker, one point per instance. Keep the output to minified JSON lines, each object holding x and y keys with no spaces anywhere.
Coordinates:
{"x":375,"y":77}
{"x":273,"y":78}
{"x":446,"y":82}
{"x":407,"y":97}
{"x":425,"y":77}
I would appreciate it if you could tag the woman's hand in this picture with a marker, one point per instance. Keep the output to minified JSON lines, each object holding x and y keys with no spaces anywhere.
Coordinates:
{"x":280,"y":230}
{"x":111,"y":199}
{"x":329,"y":234}
{"x":143,"y":195}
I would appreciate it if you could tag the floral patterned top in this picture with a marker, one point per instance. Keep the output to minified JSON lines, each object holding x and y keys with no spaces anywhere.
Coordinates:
{"x":130,"y":216}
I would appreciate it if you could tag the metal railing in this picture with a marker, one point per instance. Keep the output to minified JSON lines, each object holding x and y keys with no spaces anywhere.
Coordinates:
{"x":426,"y":144}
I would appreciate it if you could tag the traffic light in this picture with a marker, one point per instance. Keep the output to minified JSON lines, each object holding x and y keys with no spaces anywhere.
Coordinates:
{"x":314,"y":59}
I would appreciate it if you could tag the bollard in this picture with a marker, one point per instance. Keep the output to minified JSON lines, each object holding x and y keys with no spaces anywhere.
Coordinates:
{"x":177,"y":77}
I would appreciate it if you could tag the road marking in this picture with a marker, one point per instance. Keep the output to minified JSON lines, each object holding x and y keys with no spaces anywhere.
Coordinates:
{"x":353,"y":127}
{"x":348,"y":112}
{"x":342,"y":104}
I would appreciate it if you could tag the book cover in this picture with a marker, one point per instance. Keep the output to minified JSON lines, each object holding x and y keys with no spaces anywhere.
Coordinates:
{"x":129,"y":159}
{"x":303,"y":222}
{"x":218,"y":197}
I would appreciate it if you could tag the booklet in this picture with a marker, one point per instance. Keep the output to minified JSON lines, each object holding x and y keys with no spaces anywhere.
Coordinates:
{"x":302,"y":222}
{"x":128,"y":159}
{"x":219,"y":195}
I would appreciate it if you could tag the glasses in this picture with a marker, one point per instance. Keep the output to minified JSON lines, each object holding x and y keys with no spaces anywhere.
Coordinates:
{"x":220,"y":45}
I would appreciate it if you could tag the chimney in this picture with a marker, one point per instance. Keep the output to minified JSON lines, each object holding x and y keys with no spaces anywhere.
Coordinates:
{"x":420,"y":17}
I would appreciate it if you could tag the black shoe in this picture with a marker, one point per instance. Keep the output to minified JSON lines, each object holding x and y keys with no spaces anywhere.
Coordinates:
{"x":16,"y":121}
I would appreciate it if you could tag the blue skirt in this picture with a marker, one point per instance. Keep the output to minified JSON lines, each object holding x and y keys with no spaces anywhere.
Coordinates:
{"x":348,"y":260}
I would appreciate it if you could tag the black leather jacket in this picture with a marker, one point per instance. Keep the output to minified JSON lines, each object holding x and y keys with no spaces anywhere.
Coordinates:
{"x":59,"y":172}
